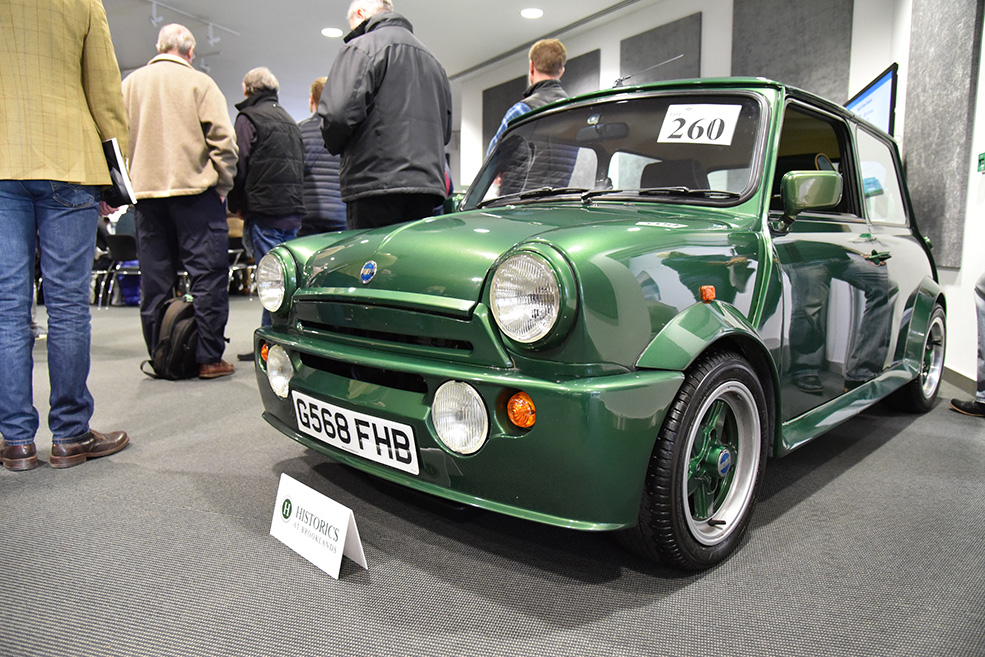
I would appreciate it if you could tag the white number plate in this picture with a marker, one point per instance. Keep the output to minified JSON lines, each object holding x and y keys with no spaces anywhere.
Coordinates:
{"x":381,"y":441}
{"x":699,"y":124}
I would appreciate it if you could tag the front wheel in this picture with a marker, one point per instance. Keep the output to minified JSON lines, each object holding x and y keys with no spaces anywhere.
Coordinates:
{"x":706,"y":467}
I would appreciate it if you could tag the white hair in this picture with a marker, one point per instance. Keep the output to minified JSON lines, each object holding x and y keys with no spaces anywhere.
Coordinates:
{"x":371,"y":7}
{"x":259,"y":79}
{"x":175,"y":37}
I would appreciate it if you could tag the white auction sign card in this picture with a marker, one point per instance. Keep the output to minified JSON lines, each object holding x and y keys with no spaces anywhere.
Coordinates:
{"x":700,"y":124}
{"x":315,"y":526}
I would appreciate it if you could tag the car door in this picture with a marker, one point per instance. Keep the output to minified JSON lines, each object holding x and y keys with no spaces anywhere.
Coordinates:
{"x":895,"y":244}
{"x":838,"y":296}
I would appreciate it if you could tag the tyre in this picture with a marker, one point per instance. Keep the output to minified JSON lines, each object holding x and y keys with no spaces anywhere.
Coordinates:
{"x":706,"y":466}
{"x":919,"y":395}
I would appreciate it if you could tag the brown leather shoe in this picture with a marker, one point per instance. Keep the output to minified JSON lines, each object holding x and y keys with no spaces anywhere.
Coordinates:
{"x":19,"y":457}
{"x":94,"y":445}
{"x":215,"y":370}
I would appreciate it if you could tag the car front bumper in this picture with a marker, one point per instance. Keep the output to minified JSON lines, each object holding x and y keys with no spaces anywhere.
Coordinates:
{"x":582,"y":465}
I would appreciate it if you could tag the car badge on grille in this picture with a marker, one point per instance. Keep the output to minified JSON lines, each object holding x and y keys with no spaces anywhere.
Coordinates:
{"x":367,"y":273}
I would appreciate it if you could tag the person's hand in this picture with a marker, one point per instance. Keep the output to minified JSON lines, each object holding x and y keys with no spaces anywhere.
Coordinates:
{"x":105,"y":209}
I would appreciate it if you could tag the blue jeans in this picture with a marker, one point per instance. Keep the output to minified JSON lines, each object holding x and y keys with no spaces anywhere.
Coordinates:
{"x":62,"y":218}
{"x":264,"y":239}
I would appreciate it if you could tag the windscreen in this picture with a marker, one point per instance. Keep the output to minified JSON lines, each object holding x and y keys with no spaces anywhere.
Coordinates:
{"x":688,"y":145}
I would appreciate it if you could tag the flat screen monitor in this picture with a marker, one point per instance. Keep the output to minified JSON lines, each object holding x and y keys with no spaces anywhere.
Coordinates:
{"x":876,"y":103}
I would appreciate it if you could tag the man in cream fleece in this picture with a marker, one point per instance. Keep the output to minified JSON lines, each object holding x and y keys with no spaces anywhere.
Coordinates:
{"x":182,"y":162}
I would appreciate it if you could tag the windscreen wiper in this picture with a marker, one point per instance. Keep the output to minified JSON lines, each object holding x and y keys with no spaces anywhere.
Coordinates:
{"x":602,"y":192}
{"x":662,"y":191}
{"x":540,"y":192}
{"x":686,"y":191}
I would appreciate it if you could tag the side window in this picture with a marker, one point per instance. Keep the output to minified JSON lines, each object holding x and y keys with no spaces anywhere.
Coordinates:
{"x":880,"y":181}
{"x":811,"y":141}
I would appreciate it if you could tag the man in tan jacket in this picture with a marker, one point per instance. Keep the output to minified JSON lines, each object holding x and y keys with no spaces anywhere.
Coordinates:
{"x":61,"y":99}
{"x":182,"y":161}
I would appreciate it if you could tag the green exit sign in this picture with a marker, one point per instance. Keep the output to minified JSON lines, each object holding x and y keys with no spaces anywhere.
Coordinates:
{"x":981,"y":162}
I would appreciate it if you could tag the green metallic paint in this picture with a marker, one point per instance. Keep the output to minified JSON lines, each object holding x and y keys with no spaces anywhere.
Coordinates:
{"x":716,"y":436}
{"x":928,"y":295}
{"x":461,"y":308}
{"x":802,"y":429}
{"x":329,"y":319}
{"x":692,"y":332}
{"x":809,"y":190}
{"x":408,"y":263}
{"x":615,"y":263}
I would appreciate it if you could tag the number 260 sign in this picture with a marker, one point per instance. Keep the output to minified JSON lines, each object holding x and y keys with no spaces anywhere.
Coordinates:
{"x":699,"y":124}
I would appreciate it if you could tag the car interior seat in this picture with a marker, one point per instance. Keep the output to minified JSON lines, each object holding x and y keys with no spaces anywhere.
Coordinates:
{"x":674,"y":173}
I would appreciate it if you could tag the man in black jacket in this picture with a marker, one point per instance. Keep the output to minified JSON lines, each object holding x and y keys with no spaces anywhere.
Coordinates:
{"x":386,"y":109}
{"x":269,"y":184}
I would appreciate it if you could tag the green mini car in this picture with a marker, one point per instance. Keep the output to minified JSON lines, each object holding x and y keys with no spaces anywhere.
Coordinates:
{"x":645,"y":293}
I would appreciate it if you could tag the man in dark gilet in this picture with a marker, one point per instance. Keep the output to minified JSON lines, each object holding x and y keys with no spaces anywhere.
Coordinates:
{"x":547,"y":60}
{"x":269,"y":186}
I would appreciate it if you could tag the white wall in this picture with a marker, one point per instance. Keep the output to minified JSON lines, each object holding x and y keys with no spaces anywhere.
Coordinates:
{"x":880,"y":36}
{"x":959,"y":286}
{"x":605,"y":35}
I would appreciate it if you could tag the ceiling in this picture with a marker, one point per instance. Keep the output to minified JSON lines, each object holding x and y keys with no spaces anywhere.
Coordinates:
{"x":285,"y":35}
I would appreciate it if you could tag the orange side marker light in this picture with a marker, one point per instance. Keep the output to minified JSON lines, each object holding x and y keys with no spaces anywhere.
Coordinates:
{"x":521,"y":411}
{"x":707,"y":293}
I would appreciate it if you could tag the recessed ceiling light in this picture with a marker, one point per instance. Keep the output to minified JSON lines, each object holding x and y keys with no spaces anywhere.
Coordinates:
{"x":532,"y":12}
{"x":332,"y":32}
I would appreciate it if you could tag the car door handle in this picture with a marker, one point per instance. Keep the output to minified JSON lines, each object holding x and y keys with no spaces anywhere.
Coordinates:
{"x":878,"y":257}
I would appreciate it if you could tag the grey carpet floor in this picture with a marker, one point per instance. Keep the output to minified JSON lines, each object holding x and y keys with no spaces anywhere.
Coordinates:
{"x":869,"y":541}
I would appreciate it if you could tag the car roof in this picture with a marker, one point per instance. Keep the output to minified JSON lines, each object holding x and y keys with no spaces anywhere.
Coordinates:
{"x":711,"y":84}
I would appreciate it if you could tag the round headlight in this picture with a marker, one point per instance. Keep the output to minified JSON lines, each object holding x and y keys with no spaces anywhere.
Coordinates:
{"x":525,"y":297}
{"x":460,"y":417}
{"x":279,"y":371}
{"x":270,"y":282}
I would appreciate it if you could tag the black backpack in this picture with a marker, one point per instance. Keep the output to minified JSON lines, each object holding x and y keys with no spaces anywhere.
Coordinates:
{"x":174,"y":353}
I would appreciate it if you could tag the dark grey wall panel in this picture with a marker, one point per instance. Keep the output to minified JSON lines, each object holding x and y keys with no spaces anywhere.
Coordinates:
{"x":581,"y":75}
{"x":495,"y":101}
{"x":945,"y":43}
{"x":638,"y":54}
{"x":806,"y":44}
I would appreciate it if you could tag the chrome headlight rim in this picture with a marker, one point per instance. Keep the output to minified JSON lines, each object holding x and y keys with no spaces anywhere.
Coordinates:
{"x":566,"y":307}
{"x":276,"y":279}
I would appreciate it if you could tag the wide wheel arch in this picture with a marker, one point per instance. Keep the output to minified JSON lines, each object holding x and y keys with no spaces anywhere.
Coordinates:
{"x":706,"y":327}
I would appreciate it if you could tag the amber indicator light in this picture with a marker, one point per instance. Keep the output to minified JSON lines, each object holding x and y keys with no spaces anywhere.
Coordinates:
{"x":263,"y":352}
{"x":707,"y":293}
{"x":521,"y":411}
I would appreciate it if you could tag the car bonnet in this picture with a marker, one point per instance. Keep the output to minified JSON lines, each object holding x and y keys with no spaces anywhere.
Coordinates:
{"x":450,"y":256}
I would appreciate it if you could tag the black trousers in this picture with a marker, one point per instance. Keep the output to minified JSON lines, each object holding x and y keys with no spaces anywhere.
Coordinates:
{"x":187,"y":233}
{"x":386,"y":209}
